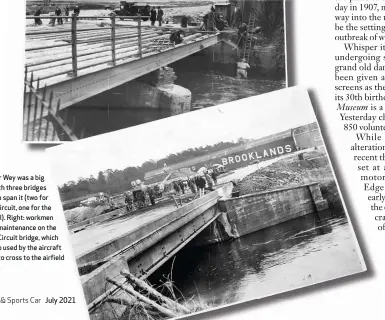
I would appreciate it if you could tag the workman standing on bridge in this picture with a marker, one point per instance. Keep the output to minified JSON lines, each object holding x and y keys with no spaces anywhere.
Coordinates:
{"x":242,"y":33}
{"x":67,"y":12}
{"x":38,"y":21}
{"x":176,"y":187}
{"x":160,"y":16}
{"x":181,"y":186}
{"x":214,"y":175}
{"x":191,"y":185}
{"x":211,"y":20}
{"x":151,"y":194}
{"x":201,"y":183}
{"x":129,"y":201}
{"x":77,"y":10}
{"x":153,"y":16}
{"x":58,"y":14}
{"x":184,"y":21}
{"x":242,"y":67}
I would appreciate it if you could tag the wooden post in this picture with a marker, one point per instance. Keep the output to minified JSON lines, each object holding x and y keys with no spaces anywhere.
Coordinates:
{"x":35,"y":111}
{"x":140,"y":37}
{"x":73,"y":125}
{"x":74,"y":46}
{"x":41,"y":113}
{"x":29,"y":106}
{"x":47,"y":118}
{"x":57,"y":114}
{"x":113,"y":44}
{"x":25,"y":84}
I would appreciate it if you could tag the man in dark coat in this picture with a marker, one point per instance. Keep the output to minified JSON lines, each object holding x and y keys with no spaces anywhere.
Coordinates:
{"x":58,"y":14}
{"x":77,"y":10}
{"x":37,"y":14}
{"x":211,"y":20}
{"x":153,"y":16}
{"x":214,"y":175}
{"x":181,"y":185}
{"x":67,"y":12}
{"x":129,"y":202}
{"x":242,"y":33}
{"x":201,"y":183}
{"x":184,"y":21}
{"x":176,"y":38}
{"x":160,"y":16}
{"x":176,"y":187}
{"x":151,"y":193}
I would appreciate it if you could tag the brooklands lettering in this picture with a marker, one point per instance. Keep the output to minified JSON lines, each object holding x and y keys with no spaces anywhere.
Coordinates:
{"x":257,"y":155}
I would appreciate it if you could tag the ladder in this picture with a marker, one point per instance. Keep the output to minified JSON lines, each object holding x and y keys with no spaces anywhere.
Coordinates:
{"x":249,"y":37}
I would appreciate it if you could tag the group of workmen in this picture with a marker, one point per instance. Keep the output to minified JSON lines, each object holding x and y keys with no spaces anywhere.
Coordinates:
{"x":198,"y":183}
{"x":156,"y":16}
{"x":58,"y":15}
{"x":149,"y":199}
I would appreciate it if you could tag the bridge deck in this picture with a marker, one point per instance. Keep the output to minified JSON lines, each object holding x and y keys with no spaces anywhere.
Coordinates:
{"x":78,"y":62}
{"x":53,"y":61}
{"x":99,"y":234}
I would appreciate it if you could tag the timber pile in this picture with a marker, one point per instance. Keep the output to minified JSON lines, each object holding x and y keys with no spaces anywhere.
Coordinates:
{"x":140,"y":293}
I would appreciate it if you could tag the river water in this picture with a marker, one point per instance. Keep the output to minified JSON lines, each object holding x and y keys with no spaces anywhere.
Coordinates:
{"x":210,"y":84}
{"x":298,"y":253}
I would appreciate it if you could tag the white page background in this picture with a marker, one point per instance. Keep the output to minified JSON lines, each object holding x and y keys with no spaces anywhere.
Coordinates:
{"x":310,"y":59}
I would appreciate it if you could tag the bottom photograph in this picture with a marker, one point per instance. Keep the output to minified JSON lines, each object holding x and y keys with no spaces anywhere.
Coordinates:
{"x":205,"y":210}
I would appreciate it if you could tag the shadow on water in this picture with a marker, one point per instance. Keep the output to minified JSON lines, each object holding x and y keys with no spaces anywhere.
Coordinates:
{"x":256,"y":265}
{"x":210,"y":84}
{"x":214,"y":83}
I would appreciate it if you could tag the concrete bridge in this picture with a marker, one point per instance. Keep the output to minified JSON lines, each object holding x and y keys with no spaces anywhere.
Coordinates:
{"x":144,"y":242}
{"x":79,"y":60}
{"x":142,"y":247}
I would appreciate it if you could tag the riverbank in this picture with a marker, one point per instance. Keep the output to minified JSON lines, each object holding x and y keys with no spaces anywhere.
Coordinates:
{"x":291,"y":172}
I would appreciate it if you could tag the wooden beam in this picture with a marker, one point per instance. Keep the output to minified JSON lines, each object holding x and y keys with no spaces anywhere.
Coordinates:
{"x":93,"y":81}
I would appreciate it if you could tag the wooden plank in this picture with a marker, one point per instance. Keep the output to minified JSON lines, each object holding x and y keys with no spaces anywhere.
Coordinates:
{"x":99,"y":79}
{"x":43,"y":55}
{"x":94,"y":54}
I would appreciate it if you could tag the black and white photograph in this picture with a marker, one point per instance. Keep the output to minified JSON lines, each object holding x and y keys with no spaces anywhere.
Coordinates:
{"x":205,"y":210}
{"x":93,"y":67}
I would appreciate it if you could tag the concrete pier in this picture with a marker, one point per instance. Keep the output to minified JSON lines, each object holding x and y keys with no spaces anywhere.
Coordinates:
{"x":170,"y":99}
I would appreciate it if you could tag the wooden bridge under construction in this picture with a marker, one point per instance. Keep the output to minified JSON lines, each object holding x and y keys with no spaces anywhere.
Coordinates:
{"x":75,"y":61}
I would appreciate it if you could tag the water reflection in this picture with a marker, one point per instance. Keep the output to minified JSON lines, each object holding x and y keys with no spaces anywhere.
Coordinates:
{"x":294,"y":254}
{"x":210,"y":84}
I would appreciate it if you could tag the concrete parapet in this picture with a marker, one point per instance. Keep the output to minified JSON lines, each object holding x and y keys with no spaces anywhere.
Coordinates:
{"x":145,"y":249}
{"x":253,"y":212}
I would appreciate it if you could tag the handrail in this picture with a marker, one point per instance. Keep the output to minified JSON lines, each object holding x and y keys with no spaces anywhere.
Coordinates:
{"x":89,"y":17}
{"x":65,"y":30}
{"x":75,"y":32}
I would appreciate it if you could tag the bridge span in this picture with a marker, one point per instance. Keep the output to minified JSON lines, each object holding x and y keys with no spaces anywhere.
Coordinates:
{"x":140,"y":244}
{"x":79,"y":60}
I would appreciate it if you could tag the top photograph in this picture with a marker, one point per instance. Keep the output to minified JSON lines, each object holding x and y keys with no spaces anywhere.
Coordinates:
{"x":93,"y":67}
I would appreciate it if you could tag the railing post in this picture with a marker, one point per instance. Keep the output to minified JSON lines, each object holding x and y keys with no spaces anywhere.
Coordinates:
{"x":140,"y":36}
{"x":74,"y":46}
{"x":113,"y":42}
